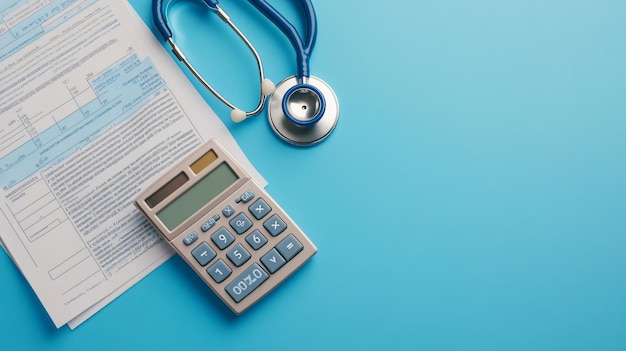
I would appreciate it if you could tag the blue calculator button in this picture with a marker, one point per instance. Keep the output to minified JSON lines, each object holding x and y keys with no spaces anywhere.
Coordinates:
{"x":289,"y":247}
{"x":246,"y":282}
{"x":209,"y":223}
{"x":203,"y":253}
{"x":245,"y":197}
{"x":222,"y":238}
{"x":273,"y":261}
{"x":259,"y":209}
{"x":275,"y":225}
{"x":228,"y":211}
{"x":219,"y":271}
{"x":238,"y":255}
{"x":240,"y":223}
{"x":256,"y":240}
{"x":190,"y":238}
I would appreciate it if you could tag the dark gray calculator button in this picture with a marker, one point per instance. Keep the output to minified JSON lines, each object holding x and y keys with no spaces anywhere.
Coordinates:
{"x":228,"y":211}
{"x":190,"y":238}
{"x":246,"y":282}
{"x":275,"y":225}
{"x":240,"y":223}
{"x":222,"y":238}
{"x":256,"y":239}
{"x":289,"y":247}
{"x":238,"y":255}
{"x":273,"y":261}
{"x":203,"y":253}
{"x":259,"y":209}
{"x":219,"y":271}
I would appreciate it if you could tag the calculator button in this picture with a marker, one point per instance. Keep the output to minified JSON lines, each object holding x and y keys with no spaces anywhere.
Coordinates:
{"x":246,"y":282}
{"x":238,"y":255}
{"x":203,"y":253}
{"x":289,"y":247}
{"x":259,"y":209}
{"x":190,"y":238}
{"x":240,"y":223}
{"x":275,"y":225}
{"x":228,"y":211}
{"x":245,"y":197}
{"x":256,"y":239}
{"x":273,"y":261}
{"x":222,"y":238}
{"x":219,"y":271}
{"x":209,"y":223}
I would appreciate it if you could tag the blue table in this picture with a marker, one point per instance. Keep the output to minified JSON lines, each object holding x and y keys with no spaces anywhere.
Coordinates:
{"x":472,"y":196}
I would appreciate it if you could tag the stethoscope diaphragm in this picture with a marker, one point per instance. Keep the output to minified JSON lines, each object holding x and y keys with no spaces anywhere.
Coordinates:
{"x":315,"y":111}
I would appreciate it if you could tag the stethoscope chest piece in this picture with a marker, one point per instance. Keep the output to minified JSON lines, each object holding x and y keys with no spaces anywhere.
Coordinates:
{"x":303,"y":114}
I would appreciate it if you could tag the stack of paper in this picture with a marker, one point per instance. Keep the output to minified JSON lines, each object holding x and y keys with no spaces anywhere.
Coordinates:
{"x":92,"y":109}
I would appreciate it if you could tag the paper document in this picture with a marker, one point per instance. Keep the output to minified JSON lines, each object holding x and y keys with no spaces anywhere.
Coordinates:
{"x":92,"y":109}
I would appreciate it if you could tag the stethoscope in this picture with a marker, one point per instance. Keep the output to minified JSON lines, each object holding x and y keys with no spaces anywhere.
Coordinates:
{"x":303,"y":109}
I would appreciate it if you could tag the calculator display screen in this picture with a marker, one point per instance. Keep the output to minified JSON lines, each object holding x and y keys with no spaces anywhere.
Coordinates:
{"x":197,"y":196}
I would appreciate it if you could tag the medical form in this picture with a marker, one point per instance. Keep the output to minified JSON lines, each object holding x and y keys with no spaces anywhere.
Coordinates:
{"x":91,"y":108}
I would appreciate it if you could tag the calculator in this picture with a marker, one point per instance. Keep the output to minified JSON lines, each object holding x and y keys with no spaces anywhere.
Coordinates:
{"x":225,"y":226}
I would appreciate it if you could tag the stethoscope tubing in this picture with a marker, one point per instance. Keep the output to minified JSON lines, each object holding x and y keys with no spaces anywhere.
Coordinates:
{"x":303,"y":48}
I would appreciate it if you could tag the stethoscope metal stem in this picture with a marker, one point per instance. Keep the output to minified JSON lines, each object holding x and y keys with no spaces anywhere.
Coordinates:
{"x":181,"y":56}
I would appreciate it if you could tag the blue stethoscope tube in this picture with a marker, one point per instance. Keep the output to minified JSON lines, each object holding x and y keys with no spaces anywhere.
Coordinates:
{"x":303,"y":49}
{"x":303,"y":104}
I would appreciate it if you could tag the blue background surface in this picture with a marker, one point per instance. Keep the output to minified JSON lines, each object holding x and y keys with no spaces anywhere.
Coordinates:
{"x":472,"y":197}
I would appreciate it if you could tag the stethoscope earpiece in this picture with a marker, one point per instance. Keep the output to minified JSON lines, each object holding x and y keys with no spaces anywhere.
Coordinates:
{"x":267,"y":87}
{"x":238,"y":115}
{"x":303,"y":116}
